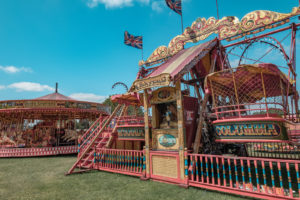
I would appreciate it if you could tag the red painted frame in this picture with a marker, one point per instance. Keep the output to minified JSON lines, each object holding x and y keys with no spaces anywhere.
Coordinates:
{"x":163,"y":178}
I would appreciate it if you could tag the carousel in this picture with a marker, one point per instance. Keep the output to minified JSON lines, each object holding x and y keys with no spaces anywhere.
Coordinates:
{"x":48,"y":125}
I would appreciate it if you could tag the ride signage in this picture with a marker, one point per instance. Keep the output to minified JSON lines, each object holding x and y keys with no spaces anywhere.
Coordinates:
{"x":157,"y":81}
{"x":250,"y":130}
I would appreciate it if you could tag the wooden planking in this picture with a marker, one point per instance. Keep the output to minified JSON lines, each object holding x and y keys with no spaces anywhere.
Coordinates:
{"x":165,"y":166}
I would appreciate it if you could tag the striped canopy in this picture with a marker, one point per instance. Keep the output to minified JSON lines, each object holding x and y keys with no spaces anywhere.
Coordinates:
{"x":173,"y":69}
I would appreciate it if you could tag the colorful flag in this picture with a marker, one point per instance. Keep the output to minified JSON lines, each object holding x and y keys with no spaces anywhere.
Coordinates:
{"x":134,"y":41}
{"x":175,"y":5}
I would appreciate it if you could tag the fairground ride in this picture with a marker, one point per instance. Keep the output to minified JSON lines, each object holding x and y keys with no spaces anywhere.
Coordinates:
{"x":48,"y":125}
{"x":220,"y":115}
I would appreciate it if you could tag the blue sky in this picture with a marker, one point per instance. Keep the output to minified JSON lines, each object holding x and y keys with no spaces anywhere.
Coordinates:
{"x":79,"y":43}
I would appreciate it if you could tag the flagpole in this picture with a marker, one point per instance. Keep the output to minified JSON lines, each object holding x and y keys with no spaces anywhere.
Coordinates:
{"x":218,"y":18}
{"x":182,"y":19}
{"x":218,"y":9}
{"x":142,"y":55}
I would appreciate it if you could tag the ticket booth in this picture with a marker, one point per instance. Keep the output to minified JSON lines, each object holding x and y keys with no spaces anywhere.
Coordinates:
{"x":173,"y":110}
{"x":171,"y":132}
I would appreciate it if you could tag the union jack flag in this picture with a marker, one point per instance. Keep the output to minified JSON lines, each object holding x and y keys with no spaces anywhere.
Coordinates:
{"x":134,"y":41}
{"x":175,"y":5}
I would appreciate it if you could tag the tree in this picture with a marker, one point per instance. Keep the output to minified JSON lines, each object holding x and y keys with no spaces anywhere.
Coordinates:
{"x":130,"y":111}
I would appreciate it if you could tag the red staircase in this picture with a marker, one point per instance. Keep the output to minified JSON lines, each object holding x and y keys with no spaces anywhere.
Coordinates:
{"x":97,"y":136}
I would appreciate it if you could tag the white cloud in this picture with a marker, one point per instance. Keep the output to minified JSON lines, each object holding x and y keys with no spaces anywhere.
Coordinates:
{"x":157,"y":6}
{"x":13,"y":69}
{"x":234,"y":63}
{"x":114,"y":3}
{"x":2,"y":87}
{"x":88,"y":97}
{"x":30,"y":87}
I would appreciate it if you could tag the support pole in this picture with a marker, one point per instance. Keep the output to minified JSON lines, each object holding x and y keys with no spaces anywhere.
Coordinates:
{"x":200,"y":124}
{"x":265,"y":94}
{"x":180,"y":117}
{"x":147,"y":133}
{"x":197,"y":87}
{"x":236,"y":93}
{"x":181,"y":23}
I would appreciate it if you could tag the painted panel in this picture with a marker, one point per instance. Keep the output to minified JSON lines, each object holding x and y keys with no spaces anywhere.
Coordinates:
{"x":131,"y":132}
{"x":53,"y":104}
{"x":251,"y":130}
{"x":163,"y":95}
{"x":165,"y":139}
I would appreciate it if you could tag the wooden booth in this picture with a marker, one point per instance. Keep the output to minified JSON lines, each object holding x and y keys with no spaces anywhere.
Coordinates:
{"x":172,"y":96}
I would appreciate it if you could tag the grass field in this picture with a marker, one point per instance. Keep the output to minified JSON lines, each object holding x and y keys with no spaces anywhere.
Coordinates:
{"x":43,"y":178}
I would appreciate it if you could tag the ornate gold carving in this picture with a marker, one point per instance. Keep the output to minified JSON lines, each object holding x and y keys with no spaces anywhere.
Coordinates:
{"x":159,"y":53}
{"x":157,"y":97}
{"x":229,"y":28}
{"x":255,"y":22}
{"x":157,"y":81}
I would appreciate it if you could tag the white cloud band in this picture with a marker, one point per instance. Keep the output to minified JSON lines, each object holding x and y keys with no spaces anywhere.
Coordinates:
{"x":30,"y":87}
{"x":114,"y":3}
{"x":88,"y":97}
{"x":13,"y":69}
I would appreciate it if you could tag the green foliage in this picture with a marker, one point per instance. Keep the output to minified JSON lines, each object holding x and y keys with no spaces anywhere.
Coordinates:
{"x":131,"y":109}
{"x":112,"y":105}
{"x":82,"y":124}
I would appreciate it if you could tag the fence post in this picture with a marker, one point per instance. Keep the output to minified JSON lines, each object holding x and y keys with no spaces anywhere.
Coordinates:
{"x":186,"y":170}
{"x":144,"y":175}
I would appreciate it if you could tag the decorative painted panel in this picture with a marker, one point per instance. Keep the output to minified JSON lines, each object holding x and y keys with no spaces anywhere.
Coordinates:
{"x":251,"y":130}
{"x":158,"y":81}
{"x":165,"y":139}
{"x":131,"y":133}
{"x":163,"y":95}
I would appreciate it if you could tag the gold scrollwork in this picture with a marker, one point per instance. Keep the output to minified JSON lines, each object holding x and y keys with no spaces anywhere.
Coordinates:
{"x":229,"y":28}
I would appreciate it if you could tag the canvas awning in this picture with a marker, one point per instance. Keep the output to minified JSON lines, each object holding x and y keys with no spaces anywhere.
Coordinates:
{"x":128,"y":98}
{"x":178,"y":65}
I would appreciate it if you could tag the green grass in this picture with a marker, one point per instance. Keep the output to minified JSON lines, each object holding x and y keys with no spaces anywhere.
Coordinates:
{"x":43,"y":178}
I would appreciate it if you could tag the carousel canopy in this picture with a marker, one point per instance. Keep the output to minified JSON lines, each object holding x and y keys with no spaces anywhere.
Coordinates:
{"x":52,"y":106}
{"x":197,"y":57}
{"x":55,"y":96}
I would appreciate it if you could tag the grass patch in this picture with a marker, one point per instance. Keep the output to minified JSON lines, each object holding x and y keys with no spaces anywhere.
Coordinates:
{"x":43,"y":178}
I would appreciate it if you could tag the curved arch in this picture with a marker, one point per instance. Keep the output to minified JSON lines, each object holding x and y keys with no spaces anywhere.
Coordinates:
{"x":275,"y":44}
{"x":120,"y":83}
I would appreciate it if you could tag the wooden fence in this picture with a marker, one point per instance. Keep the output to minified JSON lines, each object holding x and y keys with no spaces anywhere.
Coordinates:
{"x":130,"y":162}
{"x":256,"y":177}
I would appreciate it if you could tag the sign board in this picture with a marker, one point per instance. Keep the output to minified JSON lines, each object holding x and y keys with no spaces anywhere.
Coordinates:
{"x":157,"y":81}
{"x":251,"y":130}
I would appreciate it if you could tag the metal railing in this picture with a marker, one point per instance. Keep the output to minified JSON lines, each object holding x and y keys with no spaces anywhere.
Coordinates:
{"x":129,"y":162}
{"x":256,"y":177}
